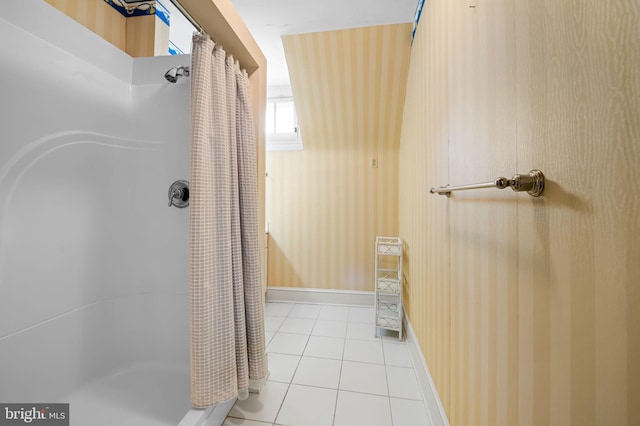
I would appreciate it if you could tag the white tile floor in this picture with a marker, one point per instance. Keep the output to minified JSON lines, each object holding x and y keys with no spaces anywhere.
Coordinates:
{"x":328,"y":369}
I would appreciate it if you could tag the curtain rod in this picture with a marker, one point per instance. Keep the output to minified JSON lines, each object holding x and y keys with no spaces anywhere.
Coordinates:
{"x":187,"y":15}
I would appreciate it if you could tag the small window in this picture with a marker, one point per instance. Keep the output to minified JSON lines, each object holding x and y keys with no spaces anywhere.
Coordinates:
{"x":281,"y":127}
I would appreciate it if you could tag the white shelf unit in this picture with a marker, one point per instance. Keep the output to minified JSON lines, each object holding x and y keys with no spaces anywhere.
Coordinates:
{"x":388,"y":285}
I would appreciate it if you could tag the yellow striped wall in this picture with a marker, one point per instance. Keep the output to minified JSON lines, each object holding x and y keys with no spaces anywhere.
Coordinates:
{"x":527,"y":310}
{"x":97,"y":16}
{"x":141,"y":35}
{"x":325,"y":204}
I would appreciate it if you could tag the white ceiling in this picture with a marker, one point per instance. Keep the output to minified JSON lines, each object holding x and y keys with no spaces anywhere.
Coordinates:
{"x":269,"y":19}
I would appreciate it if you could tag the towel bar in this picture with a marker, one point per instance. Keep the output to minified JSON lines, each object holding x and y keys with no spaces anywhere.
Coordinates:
{"x":533,"y":183}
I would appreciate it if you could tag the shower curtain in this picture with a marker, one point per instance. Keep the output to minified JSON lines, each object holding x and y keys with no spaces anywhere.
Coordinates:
{"x":228,"y":354}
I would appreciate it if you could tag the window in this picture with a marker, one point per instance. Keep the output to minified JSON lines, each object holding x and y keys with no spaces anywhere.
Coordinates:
{"x":281,"y":125}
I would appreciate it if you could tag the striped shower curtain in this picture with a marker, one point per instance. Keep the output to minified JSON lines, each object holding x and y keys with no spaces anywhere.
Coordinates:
{"x":228,"y":354}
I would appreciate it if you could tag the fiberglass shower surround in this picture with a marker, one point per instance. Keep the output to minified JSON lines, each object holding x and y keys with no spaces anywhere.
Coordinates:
{"x":93,"y":265}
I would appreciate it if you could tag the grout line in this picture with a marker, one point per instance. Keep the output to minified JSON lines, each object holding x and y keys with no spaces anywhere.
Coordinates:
{"x":386,"y":376}
{"x":275,"y":419}
{"x":294,"y":371}
{"x":335,"y":405}
{"x":344,"y":347}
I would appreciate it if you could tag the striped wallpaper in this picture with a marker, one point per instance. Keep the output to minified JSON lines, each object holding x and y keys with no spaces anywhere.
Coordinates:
{"x":141,"y":36}
{"x":325,"y":204}
{"x":527,"y":310}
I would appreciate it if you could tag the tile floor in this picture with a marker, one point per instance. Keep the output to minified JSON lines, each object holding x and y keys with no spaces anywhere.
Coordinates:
{"x":328,"y":369}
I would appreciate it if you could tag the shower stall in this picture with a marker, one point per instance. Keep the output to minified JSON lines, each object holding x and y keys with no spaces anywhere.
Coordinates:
{"x":94,"y":307}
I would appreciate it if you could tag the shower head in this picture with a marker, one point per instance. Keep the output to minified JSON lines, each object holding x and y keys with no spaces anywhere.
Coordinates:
{"x":174,"y":73}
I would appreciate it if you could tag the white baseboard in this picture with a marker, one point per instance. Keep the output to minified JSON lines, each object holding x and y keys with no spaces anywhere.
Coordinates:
{"x":435,"y":410}
{"x":315,"y":295}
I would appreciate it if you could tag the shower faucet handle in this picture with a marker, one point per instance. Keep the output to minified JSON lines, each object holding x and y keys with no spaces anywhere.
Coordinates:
{"x":179,"y":194}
